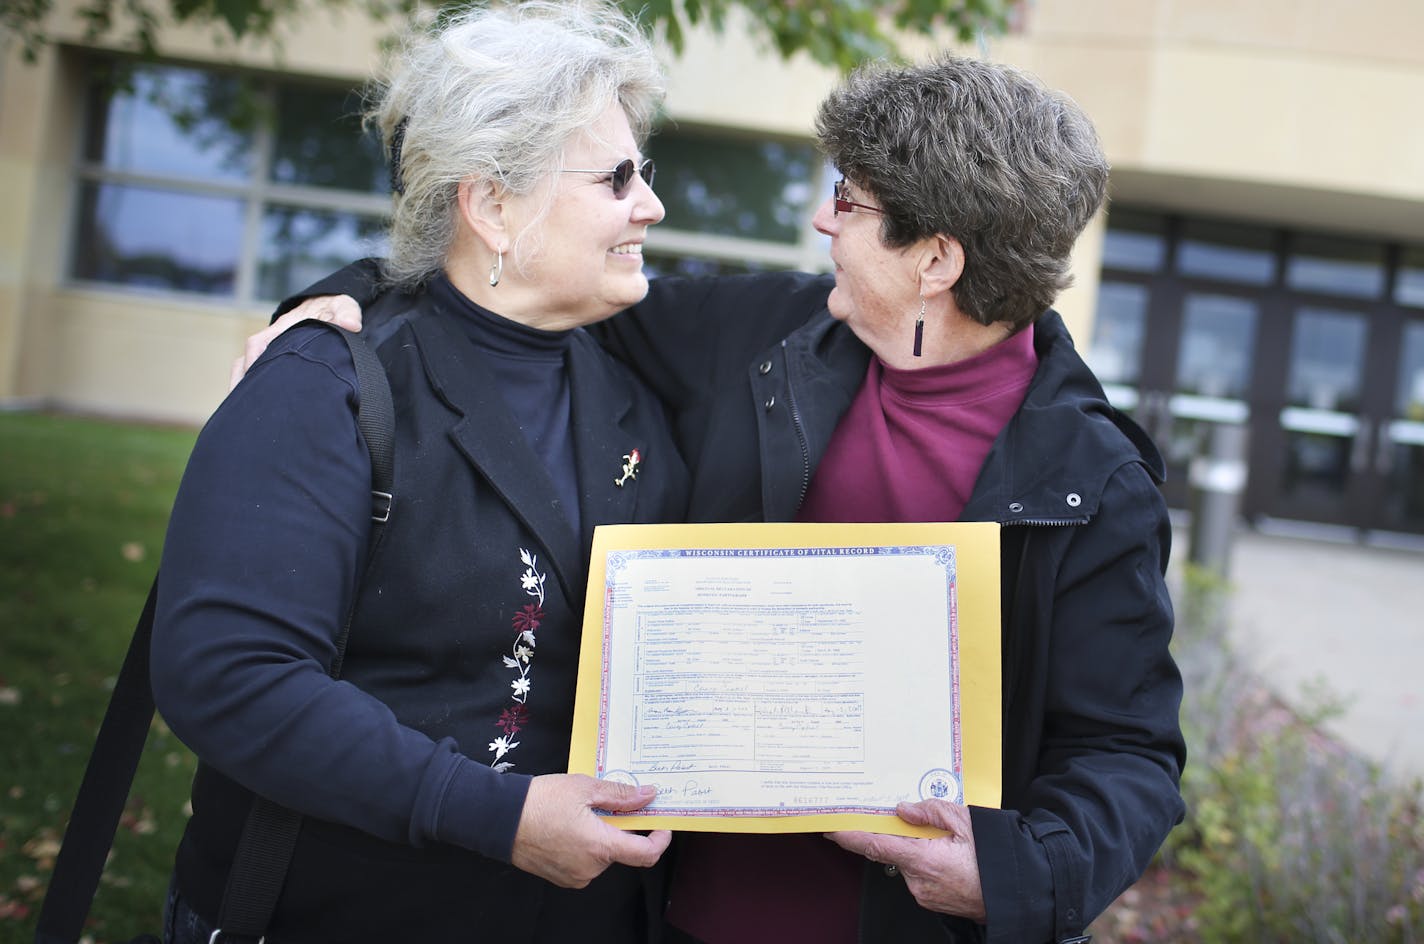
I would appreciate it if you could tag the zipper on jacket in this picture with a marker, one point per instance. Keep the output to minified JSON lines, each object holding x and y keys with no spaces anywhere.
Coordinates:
{"x":796,"y":425}
{"x":1046,"y":522}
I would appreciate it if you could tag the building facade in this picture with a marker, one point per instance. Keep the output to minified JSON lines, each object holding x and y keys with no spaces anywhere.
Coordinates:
{"x":1261,"y":261}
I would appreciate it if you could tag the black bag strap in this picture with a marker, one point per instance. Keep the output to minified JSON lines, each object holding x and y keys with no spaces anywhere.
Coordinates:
{"x":269,"y":836}
{"x":102,"y":793}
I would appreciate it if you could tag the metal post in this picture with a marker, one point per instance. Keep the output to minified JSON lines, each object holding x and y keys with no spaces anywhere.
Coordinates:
{"x":1217,"y":479}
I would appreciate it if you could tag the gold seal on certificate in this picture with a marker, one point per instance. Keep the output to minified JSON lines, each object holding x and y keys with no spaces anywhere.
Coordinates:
{"x":791,"y":677}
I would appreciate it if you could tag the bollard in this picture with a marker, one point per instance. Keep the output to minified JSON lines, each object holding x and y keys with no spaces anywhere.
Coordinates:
{"x":1217,"y":479}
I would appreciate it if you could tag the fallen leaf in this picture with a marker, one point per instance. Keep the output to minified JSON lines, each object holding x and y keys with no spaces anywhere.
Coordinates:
{"x":133,"y":552}
{"x":42,"y":849}
{"x":140,"y":823}
{"x":9,"y":696}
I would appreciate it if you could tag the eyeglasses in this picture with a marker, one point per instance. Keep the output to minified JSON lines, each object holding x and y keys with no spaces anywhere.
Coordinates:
{"x":841,"y":204}
{"x":620,"y":178}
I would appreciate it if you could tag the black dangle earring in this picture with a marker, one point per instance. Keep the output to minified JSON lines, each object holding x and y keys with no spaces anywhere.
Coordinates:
{"x":920,"y":329}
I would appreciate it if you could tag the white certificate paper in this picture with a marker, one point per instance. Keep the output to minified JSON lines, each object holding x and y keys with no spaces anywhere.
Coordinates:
{"x":790,"y":677}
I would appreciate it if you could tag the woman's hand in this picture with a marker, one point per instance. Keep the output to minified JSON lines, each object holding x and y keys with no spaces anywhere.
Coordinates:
{"x":339,"y":309}
{"x":561,"y":839}
{"x":942,"y":873}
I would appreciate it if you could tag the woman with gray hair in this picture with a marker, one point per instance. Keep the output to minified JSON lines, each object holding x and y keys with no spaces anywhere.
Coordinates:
{"x":928,"y":379}
{"x":429,"y":776}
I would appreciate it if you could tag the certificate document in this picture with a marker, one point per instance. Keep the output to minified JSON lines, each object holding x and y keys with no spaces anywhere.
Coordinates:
{"x":791,"y":677}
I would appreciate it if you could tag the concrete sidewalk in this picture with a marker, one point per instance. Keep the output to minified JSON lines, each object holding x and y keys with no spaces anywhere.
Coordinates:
{"x":1346,"y":616}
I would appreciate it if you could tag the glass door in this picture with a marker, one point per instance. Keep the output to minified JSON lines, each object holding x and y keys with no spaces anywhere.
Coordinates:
{"x":1320,"y":447}
{"x":1314,"y":342}
{"x":1212,"y":380}
{"x":1399,"y":455}
{"x":1182,"y":384}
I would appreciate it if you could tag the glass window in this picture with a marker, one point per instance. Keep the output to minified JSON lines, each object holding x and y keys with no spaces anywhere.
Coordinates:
{"x":1135,"y":241}
{"x":1327,"y":359}
{"x":1409,"y":289}
{"x":1336,"y":267}
{"x":1227,"y":252}
{"x":169,"y":190}
{"x":171,"y":122}
{"x":746,"y":188}
{"x":1218,"y":344}
{"x":250,"y":188}
{"x":319,"y":142}
{"x":300,"y":246}
{"x":1119,"y":328}
{"x":1409,"y":401}
{"x":158,"y":239}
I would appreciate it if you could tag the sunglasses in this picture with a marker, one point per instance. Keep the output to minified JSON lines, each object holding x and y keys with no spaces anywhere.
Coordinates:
{"x":840,"y":203}
{"x":620,"y":178}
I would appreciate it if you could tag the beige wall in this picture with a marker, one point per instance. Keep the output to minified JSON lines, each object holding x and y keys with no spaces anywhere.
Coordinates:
{"x":26,"y":95}
{"x":1297,"y":112}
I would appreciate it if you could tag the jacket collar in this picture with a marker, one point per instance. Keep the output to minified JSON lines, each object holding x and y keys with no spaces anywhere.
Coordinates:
{"x":1049,"y":465}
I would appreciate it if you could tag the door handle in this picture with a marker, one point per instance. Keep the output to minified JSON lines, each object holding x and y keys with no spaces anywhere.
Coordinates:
{"x":1384,"y":449}
{"x":1360,"y":452}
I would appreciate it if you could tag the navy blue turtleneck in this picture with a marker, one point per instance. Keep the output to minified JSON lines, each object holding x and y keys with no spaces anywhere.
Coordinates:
{"x":531,"y":369}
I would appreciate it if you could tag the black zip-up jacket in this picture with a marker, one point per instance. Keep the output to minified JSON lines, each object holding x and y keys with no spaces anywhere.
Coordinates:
{"x":1092,"y":747}
{"x":757,"y":374}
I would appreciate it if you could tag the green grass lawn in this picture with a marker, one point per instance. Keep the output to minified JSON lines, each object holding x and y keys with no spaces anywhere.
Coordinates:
{"x":83,"y":507}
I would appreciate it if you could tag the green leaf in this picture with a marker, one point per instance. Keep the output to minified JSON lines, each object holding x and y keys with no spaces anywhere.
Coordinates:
{"x":840,"y":33}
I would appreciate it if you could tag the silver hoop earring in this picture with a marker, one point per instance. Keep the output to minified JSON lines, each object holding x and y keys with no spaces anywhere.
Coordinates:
{"x":497,"y":269}
{"x":920,"y":329}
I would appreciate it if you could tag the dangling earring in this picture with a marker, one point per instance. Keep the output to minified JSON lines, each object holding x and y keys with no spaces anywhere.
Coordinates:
{"x":497,"y":269}
{"x":920,"y":328}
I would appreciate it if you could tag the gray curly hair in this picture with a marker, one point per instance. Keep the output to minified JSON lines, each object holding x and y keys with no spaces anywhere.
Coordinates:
{"x":981,"y":152}
{"x":496,"y":94}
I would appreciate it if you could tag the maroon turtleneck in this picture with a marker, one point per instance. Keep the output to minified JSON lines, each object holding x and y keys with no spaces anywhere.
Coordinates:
{"x":909,"y":449}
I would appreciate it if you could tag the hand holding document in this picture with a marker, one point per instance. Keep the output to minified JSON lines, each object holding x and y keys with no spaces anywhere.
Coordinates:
{"x":791,"y":677}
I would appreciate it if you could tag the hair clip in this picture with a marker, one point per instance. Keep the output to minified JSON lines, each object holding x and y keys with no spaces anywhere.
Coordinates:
{"x":397,"y":141}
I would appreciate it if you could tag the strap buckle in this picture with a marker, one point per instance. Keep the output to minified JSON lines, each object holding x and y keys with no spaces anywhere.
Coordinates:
{"x":380,"y":513}
{"x":216,"y":937}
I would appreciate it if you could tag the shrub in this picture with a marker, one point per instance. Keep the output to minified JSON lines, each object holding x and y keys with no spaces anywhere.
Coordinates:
{"x":1290,"y":836}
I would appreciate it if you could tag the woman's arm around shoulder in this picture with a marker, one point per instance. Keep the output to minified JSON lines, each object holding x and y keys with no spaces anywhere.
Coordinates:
{"x":690,"y":333}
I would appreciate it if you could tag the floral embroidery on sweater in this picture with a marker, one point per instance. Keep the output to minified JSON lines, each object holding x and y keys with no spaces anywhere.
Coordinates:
{"x":521,"y":660}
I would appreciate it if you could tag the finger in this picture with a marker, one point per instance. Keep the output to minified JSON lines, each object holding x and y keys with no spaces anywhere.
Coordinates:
{"x":345,"y":312}
{"x":337,"y":309}
{"x":620,"y":797}
{"x":877,"y":847}
{"x":311,"y":308}
{"x":951,"y":817}
{"x":637,"y":850}
{"x":852,"y":841}
{"x":257,"y":343}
